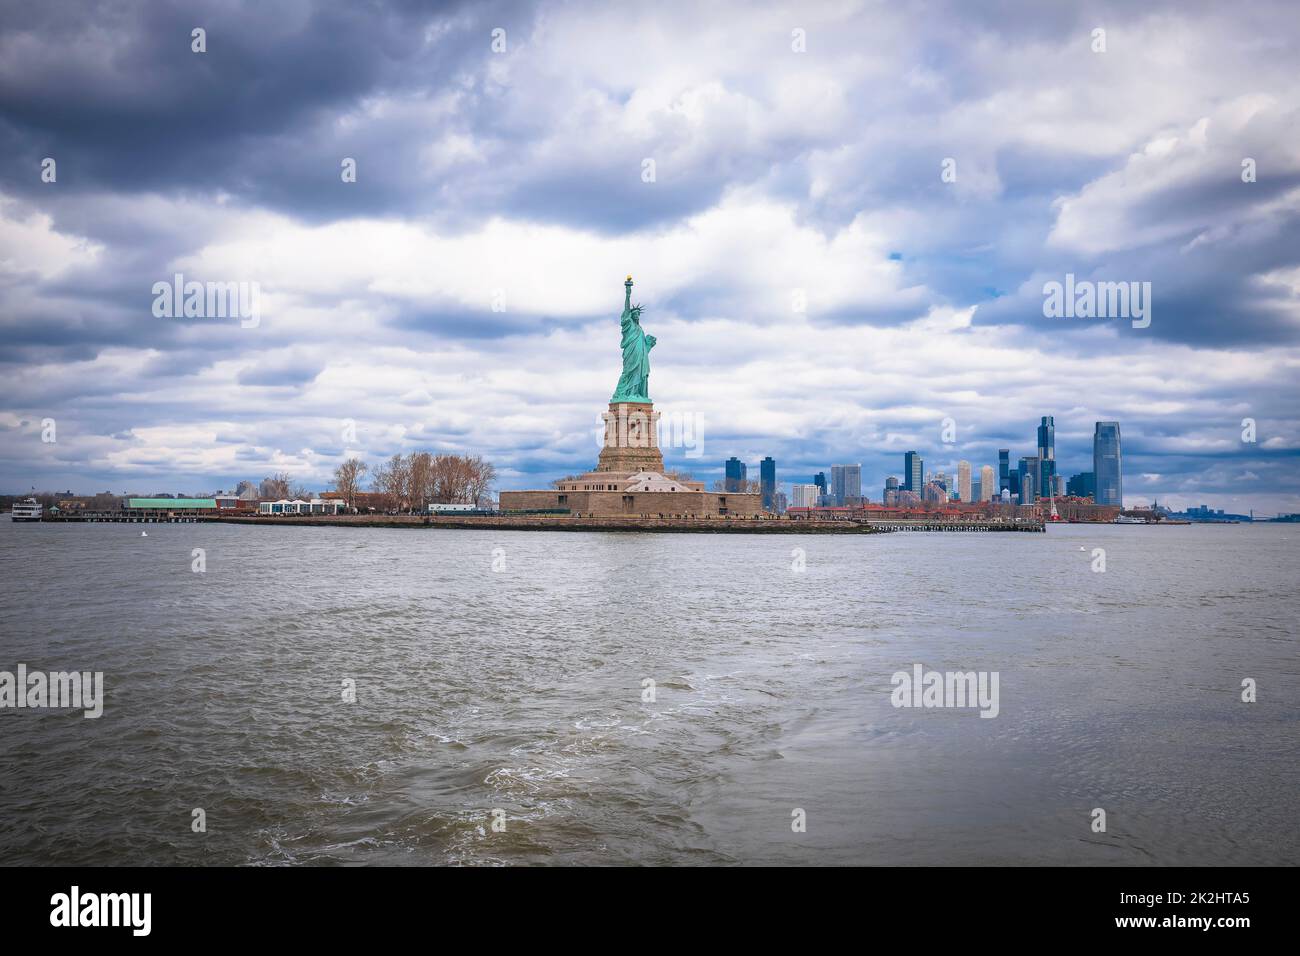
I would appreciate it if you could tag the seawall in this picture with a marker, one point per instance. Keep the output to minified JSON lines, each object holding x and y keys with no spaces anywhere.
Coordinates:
{"x":637,"y":523}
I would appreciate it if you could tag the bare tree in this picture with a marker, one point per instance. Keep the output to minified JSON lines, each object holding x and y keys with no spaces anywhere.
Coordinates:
{"x":275,"y":486}
{"x":420,"y":478}
{"x":448,"y":479}
{"x":379,"y":482}
{"x":347,"y":479}
{"x":742,"y":486}
{"x":392,"y":481}
{"x":481,"y":475}
{"x":419,"y":468}
{"x":400,"y":480}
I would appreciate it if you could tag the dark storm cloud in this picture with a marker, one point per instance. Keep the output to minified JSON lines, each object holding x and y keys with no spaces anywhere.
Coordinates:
{"x":118,"y":97}
{"x":278,"y":375}
{"x":1211,"y":294}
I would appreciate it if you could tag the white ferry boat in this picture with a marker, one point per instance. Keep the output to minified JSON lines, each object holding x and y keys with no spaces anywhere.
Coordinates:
{"x":28,"y":509}
{"x":1130,"y":519}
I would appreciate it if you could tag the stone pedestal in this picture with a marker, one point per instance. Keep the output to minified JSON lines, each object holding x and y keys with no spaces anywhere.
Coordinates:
{"x":631,"y":438}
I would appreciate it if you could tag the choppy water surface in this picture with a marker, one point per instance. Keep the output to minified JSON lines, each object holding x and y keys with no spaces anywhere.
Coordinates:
{"x":521,"y":690}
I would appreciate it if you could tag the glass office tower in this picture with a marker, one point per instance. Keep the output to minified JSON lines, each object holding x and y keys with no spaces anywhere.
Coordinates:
{"x":767,"y":482}
{"x":1107,"y":464}
{"x":1031,"y":479}
{"x":1047,"y":438}
{"x":913,"y":472}
{"x":735,"y":475}
{"x":1047,"y":455}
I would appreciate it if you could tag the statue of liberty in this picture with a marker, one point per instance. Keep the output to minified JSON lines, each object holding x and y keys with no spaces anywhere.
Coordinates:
{"x":633,"y":384}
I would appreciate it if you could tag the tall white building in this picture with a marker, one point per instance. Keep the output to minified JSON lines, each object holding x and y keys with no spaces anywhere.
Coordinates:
{"x":963,"y":480}
{"x":988,"y":483}
{"x":804,"y":496}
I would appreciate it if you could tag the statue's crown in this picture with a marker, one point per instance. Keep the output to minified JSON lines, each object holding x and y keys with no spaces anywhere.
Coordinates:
{"x":629,"y":278}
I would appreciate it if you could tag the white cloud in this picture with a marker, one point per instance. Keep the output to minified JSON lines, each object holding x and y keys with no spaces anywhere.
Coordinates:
{"x":1119,"y":211}
{"x":30,"y":244}
{"x":753,"y":249}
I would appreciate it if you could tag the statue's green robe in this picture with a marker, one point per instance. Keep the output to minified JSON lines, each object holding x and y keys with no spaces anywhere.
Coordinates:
{"x":633,"y":384}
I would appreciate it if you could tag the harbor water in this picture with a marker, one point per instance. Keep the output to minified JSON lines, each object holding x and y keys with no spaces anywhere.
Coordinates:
{"x":418,"y":696}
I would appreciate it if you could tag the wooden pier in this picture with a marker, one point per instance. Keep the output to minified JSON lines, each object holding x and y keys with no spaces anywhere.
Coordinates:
{"x":125,"y":517}
{"x":981,"y":524}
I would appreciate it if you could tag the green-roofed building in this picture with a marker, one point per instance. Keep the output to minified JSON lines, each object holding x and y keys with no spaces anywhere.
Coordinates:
{"x":171,"y":504}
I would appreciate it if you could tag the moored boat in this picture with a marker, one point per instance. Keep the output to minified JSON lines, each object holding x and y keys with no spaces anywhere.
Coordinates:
{"x":28,"y":509}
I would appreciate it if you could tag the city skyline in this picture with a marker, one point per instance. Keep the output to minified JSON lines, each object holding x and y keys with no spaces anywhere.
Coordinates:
{"x":839,"y":252}
{"x":969,"y":479}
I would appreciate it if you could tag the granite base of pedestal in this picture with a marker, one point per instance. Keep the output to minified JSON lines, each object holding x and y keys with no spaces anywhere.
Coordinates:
{"x":631,"y":439}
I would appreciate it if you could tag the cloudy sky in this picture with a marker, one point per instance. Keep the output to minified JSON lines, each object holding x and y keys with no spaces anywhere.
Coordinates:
{"x":841,"y":237}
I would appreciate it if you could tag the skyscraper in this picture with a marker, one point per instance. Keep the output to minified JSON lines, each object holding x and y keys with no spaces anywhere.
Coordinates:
{"x":1107,"y":464}
{"x":890,"y":496}
{"x":1004,"y":470}
{"x":963,"y":480}
{"x":736,"y":472}
{"x":1047,"y":456}
{"x":987,"y":482}
{"x":1047,"y":471}
{"x":767,"y":482}
{"x":913,"y":472}
{"x":846,"y":484}
{"x":1031,"y":479}
{"x":1047,"y":438}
